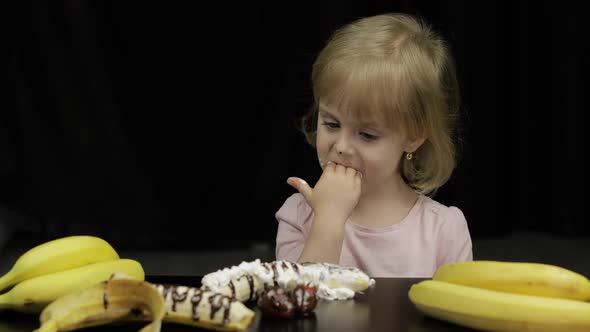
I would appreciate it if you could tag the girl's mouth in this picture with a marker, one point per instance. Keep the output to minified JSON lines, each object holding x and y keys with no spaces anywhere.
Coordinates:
{"x":337,"y":163}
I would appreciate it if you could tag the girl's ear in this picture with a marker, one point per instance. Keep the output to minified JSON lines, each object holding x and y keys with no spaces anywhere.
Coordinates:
{"x":412,"y":145}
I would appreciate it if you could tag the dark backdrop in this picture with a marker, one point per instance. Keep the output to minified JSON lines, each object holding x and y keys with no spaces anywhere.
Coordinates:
{"x":173,"y":124}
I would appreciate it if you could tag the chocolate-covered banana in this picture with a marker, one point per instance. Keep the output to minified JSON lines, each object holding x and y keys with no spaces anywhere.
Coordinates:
{"x":203,"y":308}
{"x":248,"y":280}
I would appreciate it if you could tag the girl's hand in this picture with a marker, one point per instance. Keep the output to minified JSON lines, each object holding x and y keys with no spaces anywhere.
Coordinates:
{"x":336,"y":193}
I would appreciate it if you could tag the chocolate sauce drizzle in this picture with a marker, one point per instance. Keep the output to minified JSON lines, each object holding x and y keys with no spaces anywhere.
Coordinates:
{"x":233,"y":288}
{"x":251,"y":283}
{"x":295,"y":267}
{"x":217,"y":301}
{"x":105,"y":297}
{"x":177,"y":297}
{"x":195,"y":300}
{"x":166,"y":289}
{"x":275,"y":273}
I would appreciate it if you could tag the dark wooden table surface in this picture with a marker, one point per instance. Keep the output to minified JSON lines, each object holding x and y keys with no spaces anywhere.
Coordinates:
{"x":385,"y":307}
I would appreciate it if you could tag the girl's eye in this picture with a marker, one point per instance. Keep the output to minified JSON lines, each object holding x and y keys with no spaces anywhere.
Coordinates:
{"x":331,"y":125}
{"x":368,"y":137}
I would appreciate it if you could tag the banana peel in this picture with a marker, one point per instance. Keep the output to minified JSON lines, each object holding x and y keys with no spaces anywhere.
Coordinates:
{"x":114,"y":300}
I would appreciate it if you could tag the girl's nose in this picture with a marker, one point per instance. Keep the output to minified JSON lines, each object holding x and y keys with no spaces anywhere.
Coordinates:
{"x":344,"y":146}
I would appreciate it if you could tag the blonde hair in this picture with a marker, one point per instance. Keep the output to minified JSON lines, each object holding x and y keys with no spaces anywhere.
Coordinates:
{"x":394,"y":69}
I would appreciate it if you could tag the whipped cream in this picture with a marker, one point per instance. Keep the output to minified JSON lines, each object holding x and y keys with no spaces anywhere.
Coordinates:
{"x":332,"y":282}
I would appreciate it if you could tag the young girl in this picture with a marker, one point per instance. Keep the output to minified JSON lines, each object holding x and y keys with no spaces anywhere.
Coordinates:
{"x":386,"y":100}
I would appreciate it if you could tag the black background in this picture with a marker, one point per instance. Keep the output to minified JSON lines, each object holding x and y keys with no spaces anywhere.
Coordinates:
{"x":173,"y":124}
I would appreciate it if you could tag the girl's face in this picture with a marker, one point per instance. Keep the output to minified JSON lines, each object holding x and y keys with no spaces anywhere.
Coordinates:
{"x":370,"y":148}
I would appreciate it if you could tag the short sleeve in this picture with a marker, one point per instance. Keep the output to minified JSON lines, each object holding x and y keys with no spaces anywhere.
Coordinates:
{"x":454,"y":239}
{"x":291,"y":233}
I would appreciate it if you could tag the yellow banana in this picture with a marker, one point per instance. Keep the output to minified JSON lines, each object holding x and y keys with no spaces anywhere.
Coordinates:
{"x":517,"y":277}
{"x":109,"y":301}
{"x":32,"y":295}
{"x":58,"y":255}
{"x":490,"y":310}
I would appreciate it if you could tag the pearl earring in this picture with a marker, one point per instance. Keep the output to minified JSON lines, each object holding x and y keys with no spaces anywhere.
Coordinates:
{"x":409,"y":156}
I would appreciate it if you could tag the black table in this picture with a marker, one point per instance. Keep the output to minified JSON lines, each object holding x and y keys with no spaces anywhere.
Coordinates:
{"x":385,"y":307}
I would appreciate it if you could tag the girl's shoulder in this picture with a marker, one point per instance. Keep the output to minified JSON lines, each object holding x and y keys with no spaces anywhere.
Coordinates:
{"x":431,"y":209}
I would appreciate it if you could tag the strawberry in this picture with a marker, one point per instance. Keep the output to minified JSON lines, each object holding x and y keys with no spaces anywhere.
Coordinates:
{"x":277,"y":302}
{"x":305,"y":299}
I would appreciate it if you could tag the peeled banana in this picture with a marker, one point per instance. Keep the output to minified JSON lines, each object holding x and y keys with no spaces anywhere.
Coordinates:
{"x":202,"y":308}
{"x":490,"y":310}
{"x":247,"y":280}
{"x":517,"y":277}
{"x":32,"y":295}
{"x":112,"y":300}
{"x":58,"y":255}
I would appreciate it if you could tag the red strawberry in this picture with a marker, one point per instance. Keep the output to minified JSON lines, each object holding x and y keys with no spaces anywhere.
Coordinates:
{"x":275,"y":301}
{"x":305,"y":299}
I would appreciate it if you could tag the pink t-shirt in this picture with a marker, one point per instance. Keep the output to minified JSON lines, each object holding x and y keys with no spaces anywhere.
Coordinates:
{"x":429,"y":236}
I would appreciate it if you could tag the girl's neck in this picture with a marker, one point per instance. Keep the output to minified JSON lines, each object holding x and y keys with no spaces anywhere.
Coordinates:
{"x":386,"y":205}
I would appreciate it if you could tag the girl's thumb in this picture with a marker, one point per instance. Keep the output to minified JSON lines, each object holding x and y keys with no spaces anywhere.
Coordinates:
{"x":301,"y":186}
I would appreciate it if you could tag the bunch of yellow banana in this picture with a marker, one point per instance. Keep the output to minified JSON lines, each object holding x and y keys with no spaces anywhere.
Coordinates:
{"x":59,"y":267}
{"x":80,"y":281}
{"x":506,"y":296}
